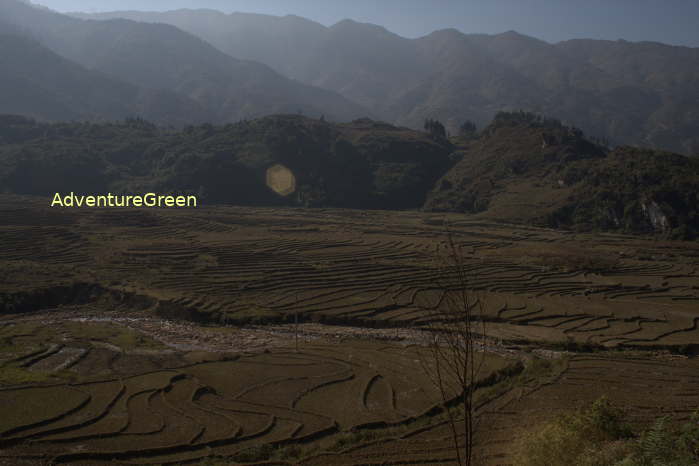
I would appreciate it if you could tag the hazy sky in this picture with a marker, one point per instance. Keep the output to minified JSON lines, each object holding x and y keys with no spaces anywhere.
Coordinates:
{"x":669,"y":21}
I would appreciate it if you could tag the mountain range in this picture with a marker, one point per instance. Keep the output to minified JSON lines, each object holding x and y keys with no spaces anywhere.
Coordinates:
{"x":192,"y":66}
{"x":190,"y":80}
{"x":640,"y":93}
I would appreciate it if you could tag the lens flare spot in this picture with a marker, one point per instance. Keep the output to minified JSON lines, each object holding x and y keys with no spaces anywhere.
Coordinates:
{"x":281,"y":180}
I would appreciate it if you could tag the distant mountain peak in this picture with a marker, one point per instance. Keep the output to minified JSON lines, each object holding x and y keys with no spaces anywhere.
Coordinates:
{"x":30,"y":3}
{"x":514,"y":35}
{"x":347,"y":24}
{"x":448,"y":32}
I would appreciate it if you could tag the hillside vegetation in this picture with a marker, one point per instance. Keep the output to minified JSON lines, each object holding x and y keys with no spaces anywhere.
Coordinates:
{"x":522,"y":168}
{"x":364,"y":164}
{"x":530,"y":169}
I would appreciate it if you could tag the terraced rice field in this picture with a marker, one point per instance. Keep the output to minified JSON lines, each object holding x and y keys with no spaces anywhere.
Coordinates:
{"x":100,"y":360}
{"x":646,"y":389}
{"x":226,"y":264}
{"x":220,"y":405}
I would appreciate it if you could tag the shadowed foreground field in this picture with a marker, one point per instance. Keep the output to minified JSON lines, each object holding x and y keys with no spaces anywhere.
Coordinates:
{"x":644,"y":388}
{"x":121,"y":337}
{"x":114,"y":405}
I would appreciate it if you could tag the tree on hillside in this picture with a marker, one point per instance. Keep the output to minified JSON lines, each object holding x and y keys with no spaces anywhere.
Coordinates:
{"x":467,"y":129}
{"x":435,"y":128}
{"x":522,"y":117}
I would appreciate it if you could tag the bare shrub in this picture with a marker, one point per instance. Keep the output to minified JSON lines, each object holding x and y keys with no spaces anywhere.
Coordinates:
{"x":452,"y":359}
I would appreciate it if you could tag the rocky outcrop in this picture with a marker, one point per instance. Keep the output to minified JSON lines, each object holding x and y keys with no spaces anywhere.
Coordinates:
{"x":656,"y":217}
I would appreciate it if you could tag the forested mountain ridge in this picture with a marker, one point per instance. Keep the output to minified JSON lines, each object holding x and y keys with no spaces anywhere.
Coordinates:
{"x":363,"y":164}
{"x":528,"y":169}
{"x":521,"y":168}
{"x":37,"y":82}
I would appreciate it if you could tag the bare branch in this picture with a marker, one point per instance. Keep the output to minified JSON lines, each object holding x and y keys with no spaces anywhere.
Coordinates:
{"x":454,"y":341}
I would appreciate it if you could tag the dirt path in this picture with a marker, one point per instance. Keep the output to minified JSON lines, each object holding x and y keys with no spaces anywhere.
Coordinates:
{"x":190,"y":336}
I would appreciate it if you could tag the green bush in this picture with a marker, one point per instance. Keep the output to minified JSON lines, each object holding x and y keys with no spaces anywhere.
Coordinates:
{"x":254,"y":454}
{"x":663,"y":445}
{"x":578,"y":438}
{"x":600,"y":436}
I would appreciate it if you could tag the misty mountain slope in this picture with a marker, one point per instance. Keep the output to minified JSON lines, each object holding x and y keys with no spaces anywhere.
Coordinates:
{"x":464,"y":81}
{"x":366,"y":63}
{"x":628,"y":93}
{"x":663,"y":67}
{"x":542,"y":62}
{"x":669,"y":73}
{"x":287,"y":44}
{"x":573,"y":89}
{"x":35,"y":81}
{"x":160,"y":56}
{"x":361,"y":61}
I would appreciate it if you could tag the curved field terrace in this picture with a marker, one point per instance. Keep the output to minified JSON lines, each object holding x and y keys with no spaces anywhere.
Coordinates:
{"x":285,"y":335}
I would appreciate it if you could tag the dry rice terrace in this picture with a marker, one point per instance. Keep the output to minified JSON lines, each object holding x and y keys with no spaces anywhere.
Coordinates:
{"x":370,"y":268}
{"x":91,"y":392}
{"x":113,"y":347}
{"x":645,"y":387}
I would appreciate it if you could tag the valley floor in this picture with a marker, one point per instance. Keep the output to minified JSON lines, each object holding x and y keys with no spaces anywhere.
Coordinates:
{"x":169,"y":336}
